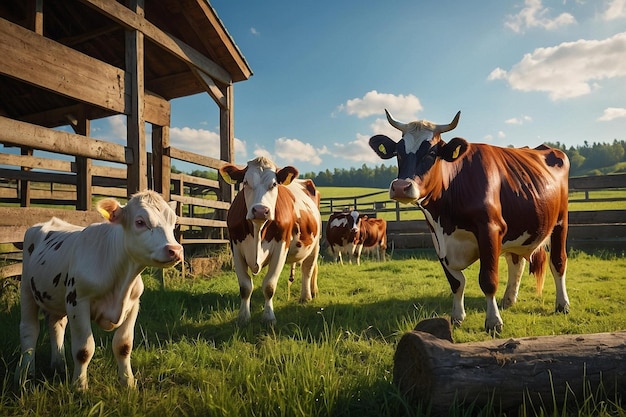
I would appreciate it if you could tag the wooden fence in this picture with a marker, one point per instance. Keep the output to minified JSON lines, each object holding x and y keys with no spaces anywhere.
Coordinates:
{"x":589,"y":230}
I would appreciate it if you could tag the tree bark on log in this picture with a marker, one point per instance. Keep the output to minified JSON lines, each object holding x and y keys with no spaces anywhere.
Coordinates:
{"x":537,"y":371}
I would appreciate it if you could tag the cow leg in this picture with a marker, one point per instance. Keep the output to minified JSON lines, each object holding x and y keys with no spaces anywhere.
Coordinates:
{"x":309,"y":277}
{"x":456,"y":279}
{"x":292,"y":277}
{"x":29,"y":333}
{"x":515,"y":267}
{"x":357,"y":253}
{"x":56,"y":329}
{"x":488,"y":279}
{"x":558,"y":266}
{"x":83,"y":345}
{"x":245,"y":286}
{"x":123,"y":346}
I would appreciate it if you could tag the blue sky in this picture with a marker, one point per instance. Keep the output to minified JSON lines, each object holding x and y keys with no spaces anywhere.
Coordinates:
{"x":521,"y":72}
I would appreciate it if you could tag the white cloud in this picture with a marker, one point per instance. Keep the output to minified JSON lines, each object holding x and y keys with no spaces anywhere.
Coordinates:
{"x":534,"y":14}
{"x":357,"y":150}
{"x":255,"y":32}
{"x":202,"y":141}
{"x":518,"y":120}
{"x":612,"y":113}
{"x":294,"y":150}
{"x":615,"y":9}
{"x":568,"y":70}
{"x":374,"y":103}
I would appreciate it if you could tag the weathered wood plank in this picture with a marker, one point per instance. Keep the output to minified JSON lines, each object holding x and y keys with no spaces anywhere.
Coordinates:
{"x":197,"y":221}
{"x":170,"y":43}
{"x":14,"y":132}
{"x":597,"y":182}
{"x":195,"y":158}
{"x":76,"y":75}
{"x":202,"y":202}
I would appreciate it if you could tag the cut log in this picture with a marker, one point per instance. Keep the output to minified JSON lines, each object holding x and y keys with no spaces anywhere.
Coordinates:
{"x":541,"y":371}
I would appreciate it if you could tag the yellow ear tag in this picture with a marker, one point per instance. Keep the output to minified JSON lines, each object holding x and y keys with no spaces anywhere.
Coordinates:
{"x":227,"y":177}
{"x":382,"y":149}
{"x":104,"y":213}
{"x":288,"y":179}
{"x":455,"y":154}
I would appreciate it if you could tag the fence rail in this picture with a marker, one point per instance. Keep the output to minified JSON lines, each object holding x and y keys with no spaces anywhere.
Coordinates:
{"x":589,"y":230}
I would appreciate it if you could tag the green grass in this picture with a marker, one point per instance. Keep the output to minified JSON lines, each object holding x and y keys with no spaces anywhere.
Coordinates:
{"x":332,"y":356}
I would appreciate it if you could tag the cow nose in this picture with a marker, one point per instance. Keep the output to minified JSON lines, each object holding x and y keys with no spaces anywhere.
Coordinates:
{"x":175,"y":252}
{"x":400,"y":187}
{"x":260,"y":212}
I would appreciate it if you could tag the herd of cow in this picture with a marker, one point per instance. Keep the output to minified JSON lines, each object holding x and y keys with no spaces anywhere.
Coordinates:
{"x":480,"y":202}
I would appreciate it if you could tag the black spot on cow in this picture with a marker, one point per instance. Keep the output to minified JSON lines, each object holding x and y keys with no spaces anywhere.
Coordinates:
{"x":82,"y":355}
{"x":553,"y":160}
{"x":124,"y":350}
{"x":58,"y":245}
{"x":49,"y":235}
{"x":39,"y":296}
{"x":31,"y":248}
{"x":71,"y":298}
{"x":65,"y":280}
{"x":56,"y":279}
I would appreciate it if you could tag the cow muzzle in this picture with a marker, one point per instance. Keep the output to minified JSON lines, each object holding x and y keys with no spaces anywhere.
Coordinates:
{"x":260,"y":212}
{"x":404,"y":191}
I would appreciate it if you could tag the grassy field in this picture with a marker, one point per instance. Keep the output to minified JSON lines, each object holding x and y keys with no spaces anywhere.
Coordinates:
{"x":330,"y":357}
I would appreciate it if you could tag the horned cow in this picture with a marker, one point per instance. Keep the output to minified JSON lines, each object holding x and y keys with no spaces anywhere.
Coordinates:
{"x":481,"y":201}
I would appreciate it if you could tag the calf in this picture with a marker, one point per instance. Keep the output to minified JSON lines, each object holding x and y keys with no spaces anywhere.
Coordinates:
{"x":372,"y":236}
{"x":274,"y":219}
{"x":79,"y":274}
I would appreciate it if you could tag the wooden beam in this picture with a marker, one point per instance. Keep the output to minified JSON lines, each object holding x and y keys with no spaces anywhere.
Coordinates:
{"x":168,"y":42}
{"x":211,"y":88}
{"x":18,"y":133}
{"x":136,"y":129}
{"x":227,"y":142}
{"x":77,"y":75}
{"x":194,"y":158}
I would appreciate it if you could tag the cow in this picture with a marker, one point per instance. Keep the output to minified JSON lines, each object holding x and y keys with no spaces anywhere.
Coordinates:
{"x":342,"y":229}
{"x":78,"y":274}
{"x":481,"y":201}
{"x":372,"y":237}
{"x":274,"y":219}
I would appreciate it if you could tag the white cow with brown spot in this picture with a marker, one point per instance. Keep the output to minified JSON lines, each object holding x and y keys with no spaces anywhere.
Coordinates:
{"x":76,"y":275}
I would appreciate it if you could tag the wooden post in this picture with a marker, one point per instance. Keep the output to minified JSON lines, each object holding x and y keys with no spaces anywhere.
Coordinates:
{"x":505,"y":373}
{"x":227,"y":143}
{"x":136,"y":131}
{"x":162,"y":163}
{"x":83,"y":166}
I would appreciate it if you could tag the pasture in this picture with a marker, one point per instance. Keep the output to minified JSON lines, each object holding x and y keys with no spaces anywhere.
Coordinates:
{"x":330,"y":357}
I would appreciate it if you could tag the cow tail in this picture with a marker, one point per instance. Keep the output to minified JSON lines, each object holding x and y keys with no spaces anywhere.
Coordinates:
{"x":538,"y":261}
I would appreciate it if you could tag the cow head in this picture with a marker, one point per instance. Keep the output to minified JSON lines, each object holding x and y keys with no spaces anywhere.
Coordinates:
{"x":417,"y":152}
{"x":148,"y":223}
{"x":259,"y":180}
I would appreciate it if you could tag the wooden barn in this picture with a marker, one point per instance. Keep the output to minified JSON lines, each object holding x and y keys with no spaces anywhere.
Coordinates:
{"x":66,"y":63}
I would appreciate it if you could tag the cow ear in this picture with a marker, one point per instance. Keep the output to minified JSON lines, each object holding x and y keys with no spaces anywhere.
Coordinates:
{"x":110,"y":209}
{"x":286,"y":175}
{"x":232,"y":174}
{"x":383,"y":145}
{"x":453,"y":149}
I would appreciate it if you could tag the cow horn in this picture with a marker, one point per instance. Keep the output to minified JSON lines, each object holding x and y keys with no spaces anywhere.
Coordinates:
{"x":452,"y":125}
{"x":398,"y":125}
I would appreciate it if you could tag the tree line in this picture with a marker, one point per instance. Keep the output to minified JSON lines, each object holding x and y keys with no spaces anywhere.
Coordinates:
{"x":594,"y":159}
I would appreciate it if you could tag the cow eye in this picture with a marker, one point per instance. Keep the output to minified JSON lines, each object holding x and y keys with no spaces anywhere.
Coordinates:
{"x":140,"y":223}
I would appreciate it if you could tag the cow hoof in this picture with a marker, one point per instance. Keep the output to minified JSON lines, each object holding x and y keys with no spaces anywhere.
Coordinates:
{"x":507,"y":302}
{"x":562,"y":309}
{"x":493,"y":328}
{"x":304,"y":300}
{"x":456,"y":322}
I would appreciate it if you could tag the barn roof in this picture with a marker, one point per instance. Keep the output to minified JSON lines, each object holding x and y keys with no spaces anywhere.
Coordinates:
{"x":84,"y":28}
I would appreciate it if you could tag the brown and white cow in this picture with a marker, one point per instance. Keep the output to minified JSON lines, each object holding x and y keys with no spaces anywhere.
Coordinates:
{"x":274,"y":219}
{"x":342,"y":231}
{"x":482,"y":201}
{"x":372,"y":237}
{"x":78,"y":274}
